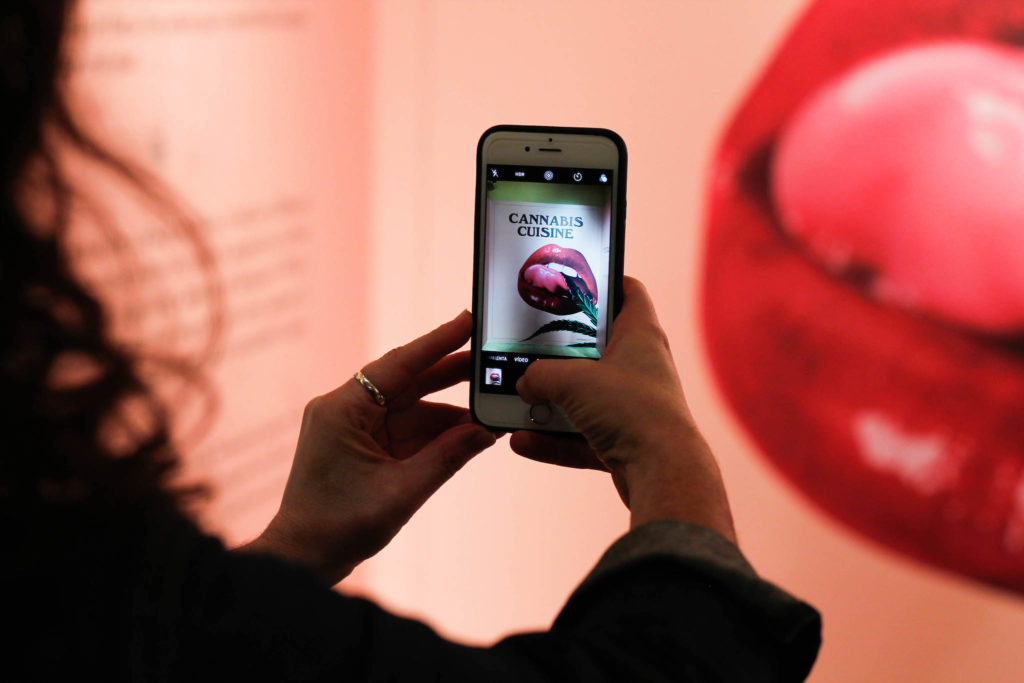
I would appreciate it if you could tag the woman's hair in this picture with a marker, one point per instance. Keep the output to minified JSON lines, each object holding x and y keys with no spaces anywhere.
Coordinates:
{"x":57,"y":427}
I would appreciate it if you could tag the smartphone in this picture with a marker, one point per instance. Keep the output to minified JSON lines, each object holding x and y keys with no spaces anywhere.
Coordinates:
{"x":547,"y":273}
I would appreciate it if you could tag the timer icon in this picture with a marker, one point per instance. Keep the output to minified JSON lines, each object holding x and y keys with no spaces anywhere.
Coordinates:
{"x":577,"y":176}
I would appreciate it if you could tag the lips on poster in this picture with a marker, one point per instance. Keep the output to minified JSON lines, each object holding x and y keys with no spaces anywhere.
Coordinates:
{"x":547,"y":268}
{"x":863,"y":289}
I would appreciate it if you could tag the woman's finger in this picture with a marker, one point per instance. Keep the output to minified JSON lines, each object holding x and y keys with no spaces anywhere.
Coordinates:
{"x":635,"y":324}
{"x":396,"y":370}
{"x":566,"y":451}
{"x":438,"y":460}
{"x":424,"y":418}
{"x":448,"y":371}
{"x":637,"y":307}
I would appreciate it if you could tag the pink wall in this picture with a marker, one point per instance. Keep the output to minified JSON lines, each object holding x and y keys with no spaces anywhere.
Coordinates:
{"x":371,"y":111}
{"x":252,"y":112}
{"x":500,"y":546}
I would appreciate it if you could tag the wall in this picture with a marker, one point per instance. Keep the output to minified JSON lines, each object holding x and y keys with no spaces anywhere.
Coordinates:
{"x":501,"y":546}
{"x":227,"y":103}
{"x":353,"y":125}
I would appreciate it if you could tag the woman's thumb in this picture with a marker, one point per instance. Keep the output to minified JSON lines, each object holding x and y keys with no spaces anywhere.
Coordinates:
{"x":552,"y":381}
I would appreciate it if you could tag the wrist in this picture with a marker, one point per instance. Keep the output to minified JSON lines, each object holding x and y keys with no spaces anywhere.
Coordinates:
{"x":278,"y":542}
{"x":678,"y":479}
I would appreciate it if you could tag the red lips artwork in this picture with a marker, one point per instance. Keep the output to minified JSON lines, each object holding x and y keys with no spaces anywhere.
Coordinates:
{"x":863,"y":286}
{"x":541,"y":281}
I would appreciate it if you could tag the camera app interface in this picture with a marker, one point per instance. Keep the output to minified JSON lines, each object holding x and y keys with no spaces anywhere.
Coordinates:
{"x":546,"y":260}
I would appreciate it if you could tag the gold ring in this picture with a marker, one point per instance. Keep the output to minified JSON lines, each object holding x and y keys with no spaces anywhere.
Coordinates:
{"x":368,"y":385}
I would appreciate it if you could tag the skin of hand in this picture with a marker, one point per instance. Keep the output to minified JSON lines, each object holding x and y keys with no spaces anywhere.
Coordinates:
{"x":632,"y":415}
{"x":361,"y":470}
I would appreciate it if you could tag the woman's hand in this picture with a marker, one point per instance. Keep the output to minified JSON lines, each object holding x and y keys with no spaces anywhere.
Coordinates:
{"x":631,"y":412}
{"x":361,"y":470}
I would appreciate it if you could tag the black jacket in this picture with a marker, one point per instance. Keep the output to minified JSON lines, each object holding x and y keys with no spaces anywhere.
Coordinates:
{"x":130,"y":595}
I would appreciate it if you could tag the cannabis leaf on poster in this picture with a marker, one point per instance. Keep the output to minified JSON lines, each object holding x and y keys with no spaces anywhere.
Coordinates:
{"x":586,"y":304}
{"x":582,"y":298}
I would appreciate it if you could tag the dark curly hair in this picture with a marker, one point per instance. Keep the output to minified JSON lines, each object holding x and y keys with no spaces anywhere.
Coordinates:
{"x":56,"y":427}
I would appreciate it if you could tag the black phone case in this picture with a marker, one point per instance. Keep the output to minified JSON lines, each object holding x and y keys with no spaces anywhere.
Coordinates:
{"x":619,"y":229}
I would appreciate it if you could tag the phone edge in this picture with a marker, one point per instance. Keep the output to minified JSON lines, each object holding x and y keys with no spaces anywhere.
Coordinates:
{"x":620,"y":239}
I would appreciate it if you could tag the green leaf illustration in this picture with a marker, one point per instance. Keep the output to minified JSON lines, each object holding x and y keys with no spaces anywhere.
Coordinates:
{"x":564,"y":326}
{"x":582,"y":298}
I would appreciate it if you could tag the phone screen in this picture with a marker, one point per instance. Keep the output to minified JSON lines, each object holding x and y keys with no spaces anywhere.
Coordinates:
{"x":547,"y":241}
